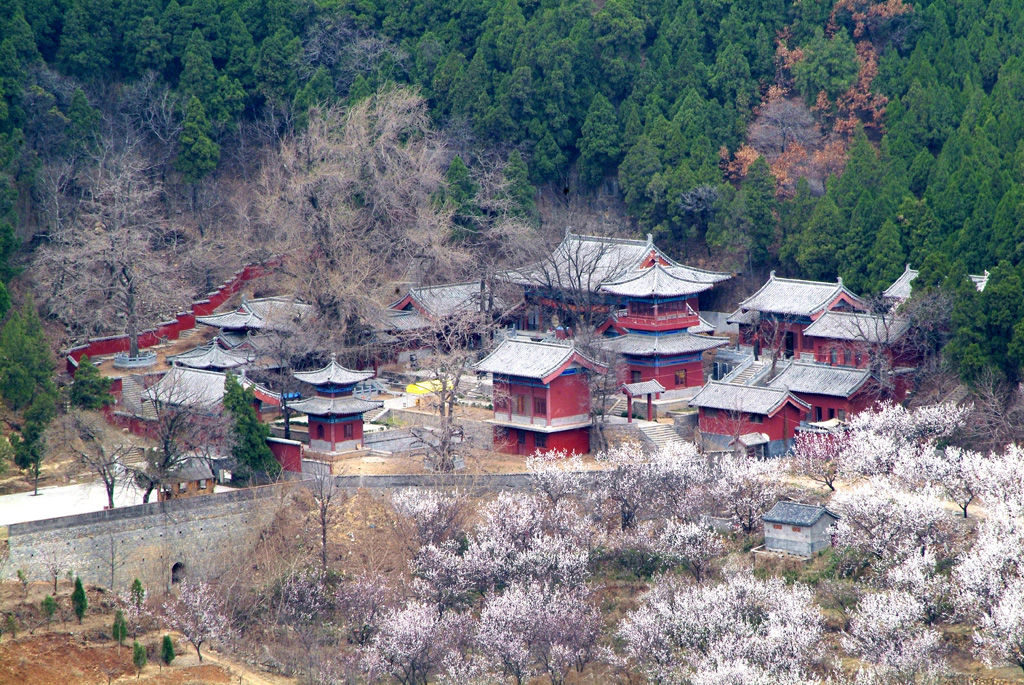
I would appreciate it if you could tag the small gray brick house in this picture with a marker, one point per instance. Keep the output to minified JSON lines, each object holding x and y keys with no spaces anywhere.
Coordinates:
{"x":796,"y":528}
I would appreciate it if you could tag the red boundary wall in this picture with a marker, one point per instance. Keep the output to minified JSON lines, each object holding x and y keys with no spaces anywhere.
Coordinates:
{"x":167,"y":330}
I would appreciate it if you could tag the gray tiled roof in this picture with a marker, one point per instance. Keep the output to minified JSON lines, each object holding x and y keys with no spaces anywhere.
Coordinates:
{"x":184,"y":386}
{"x":858,"y":327}
{"x":530,"y":359}
{"x":451,"y":298}
{"x":820,"y":379}
{"x":260,"y":313}
{"x":231,"y":340}
{"x":674,"y":343}
{"x":191,"y":469}
{"x":400,"y":321}
{"x":643,"y":387}
{"x":584,"y":262}
{"x":742,"y":398}
{"x":901,"y":288}
{"x":334,"y":373}
{"x":664,"y":281}
{"x":794,"y":296}
{"x":796,"y":514}
{"x":322,"y":406}
{"x":753,"y":439}
{"x":703,"y":327}
{"x":211,"y":356}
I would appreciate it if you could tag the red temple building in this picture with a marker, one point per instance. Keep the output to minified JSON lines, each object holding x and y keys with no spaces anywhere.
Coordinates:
{"x":573,"y":277}
{"x":860,"y":339}
{"x":831,"y":392}
{"x":778,"y":313}
{"x":657,"y":325}
{"x":541,"y":396}
{"x":760,"y":419}
{"x":335,"y":414}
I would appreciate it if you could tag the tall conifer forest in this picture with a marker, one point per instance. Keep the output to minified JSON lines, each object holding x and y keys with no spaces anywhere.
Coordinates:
{"x":821,"y":138}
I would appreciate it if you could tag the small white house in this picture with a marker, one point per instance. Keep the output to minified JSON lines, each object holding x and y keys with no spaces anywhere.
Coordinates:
{"x":796,"y":528}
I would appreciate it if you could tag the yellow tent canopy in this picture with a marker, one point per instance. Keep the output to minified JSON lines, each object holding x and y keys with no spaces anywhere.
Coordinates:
{"x":423,"y":387}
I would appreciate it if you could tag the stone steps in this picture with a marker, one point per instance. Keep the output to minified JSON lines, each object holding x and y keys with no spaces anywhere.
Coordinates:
{"x":660,"y":435}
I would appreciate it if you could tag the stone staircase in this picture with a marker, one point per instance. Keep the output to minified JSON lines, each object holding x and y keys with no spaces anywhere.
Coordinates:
{"x":745,"y":375}
{"x":377,"y":415}
{"x":617,"y":407}
{"x":660,"y":435}
{"x":131,"y":399}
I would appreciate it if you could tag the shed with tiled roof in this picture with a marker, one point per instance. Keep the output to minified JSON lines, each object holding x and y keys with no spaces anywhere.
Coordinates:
{"x":795,"y":528}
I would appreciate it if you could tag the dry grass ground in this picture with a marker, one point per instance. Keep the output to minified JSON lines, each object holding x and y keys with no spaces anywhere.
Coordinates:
{"x":68,"y":653}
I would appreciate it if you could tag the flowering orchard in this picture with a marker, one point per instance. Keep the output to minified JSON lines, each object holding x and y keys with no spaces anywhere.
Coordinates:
{"x":625,"y":572}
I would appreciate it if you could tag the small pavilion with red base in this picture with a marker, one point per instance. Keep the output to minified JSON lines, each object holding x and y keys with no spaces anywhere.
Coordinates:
{"x":335,"y":414}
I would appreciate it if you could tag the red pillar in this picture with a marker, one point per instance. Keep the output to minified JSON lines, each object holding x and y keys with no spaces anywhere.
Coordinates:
{"x":629,"y":408}
{"x":650,"y":408}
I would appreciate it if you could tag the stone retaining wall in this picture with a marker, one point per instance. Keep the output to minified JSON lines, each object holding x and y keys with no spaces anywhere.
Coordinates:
{"x":205,"y":535}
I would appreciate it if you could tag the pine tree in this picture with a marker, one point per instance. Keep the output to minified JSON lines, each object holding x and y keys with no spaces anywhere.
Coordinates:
{"x":26,"y":366}
{"x":758,"y":187}
{"x":167,"y":650}
{"x":817,"y":254}
{"x":460,"y":194}
{"x":520,"y":191}
{"x":139,"y":658}
{"x":599,"y":142}
{"x":198,"y":75}
{"x":887,"y":259}
{"x":91,"y":389}
{"x":79,"y":600}
{"x":49,"y":607}
{"x":249,"y":448}
{"x":119,"y":631}
{"x":198,"y":154}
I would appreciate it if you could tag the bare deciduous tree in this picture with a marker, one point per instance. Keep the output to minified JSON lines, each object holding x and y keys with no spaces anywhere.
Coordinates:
{"x":451,"y":346}
{"x":89,"y":438}
{"x":353,"y":198}
{"x":111,"y":265}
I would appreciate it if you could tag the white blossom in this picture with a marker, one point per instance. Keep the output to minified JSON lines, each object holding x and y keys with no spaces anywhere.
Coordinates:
{"x":361,"y":601}
{"x":640,"y":486}
{"x":198,"y":614}
{"x":556,"y":473}
{"x":959,"y":473}
{"x":881,"y":437}
{"x":690,"y":543}
{"x":996,"y":559}
{"x":1002,"y":481}
{"x":531,"y":629}
{"x":435,"y":515}
{"x":746,"y":488}
{"x":917,"y":576}
{"x":887,"y":523}
{"x":1000,"y":637}
{"x":678,"y":629}
{"x":818,"y":455}
{"x":412,"y":641}
{"x":888,"y":633}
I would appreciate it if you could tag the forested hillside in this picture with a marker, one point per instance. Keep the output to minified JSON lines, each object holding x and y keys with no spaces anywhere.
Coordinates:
{"x":890,"y":132}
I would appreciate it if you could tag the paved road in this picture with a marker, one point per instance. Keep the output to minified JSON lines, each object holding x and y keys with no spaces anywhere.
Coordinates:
{"x":64,"y":501}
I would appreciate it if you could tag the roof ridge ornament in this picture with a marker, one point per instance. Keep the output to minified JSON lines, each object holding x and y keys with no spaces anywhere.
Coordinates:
{"x":771,"y":275}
